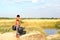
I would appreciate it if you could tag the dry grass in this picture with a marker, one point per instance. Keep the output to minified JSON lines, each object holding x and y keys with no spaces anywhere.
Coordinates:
{"x":40,"y":23}
{"x":29,"y":24}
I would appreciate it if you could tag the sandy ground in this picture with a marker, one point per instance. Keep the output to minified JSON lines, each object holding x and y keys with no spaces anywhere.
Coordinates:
{"x":8,"y":36}
{"x":53,"y":37}
{"x":29,"y":36}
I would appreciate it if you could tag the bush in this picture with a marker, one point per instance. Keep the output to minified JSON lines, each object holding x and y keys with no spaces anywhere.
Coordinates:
{"x":57,"y":25}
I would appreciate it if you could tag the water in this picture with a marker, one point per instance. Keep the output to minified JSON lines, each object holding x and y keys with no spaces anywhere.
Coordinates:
{"x":50,"y":31}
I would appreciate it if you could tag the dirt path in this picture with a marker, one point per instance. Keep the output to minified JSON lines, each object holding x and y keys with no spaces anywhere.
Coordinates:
{"x":30,"y":36}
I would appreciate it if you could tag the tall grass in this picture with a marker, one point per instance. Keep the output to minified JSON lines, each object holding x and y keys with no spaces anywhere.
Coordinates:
{"x":29,"y":24}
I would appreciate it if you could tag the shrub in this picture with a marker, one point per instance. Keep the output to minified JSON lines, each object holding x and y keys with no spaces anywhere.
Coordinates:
{"x":57,"y":25}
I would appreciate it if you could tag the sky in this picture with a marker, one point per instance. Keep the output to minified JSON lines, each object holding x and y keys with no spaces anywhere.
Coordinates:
{"x":30,"y":8}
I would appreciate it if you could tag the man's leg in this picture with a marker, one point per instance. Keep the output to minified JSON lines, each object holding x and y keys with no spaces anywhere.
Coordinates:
{"x":17,"y":33}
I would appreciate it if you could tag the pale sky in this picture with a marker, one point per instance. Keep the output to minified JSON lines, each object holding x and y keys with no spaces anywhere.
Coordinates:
{"x":30,"y":8}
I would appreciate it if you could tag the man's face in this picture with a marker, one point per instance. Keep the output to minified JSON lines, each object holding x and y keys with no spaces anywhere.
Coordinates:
{"x":18,"y":17}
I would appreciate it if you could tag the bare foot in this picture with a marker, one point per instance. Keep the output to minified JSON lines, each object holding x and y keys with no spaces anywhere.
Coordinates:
{"x":17,"y":36}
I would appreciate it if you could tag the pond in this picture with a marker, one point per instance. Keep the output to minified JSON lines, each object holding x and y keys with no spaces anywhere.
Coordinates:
{"x":50,"y":31}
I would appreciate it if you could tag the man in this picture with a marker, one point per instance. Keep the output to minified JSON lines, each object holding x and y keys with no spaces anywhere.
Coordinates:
{"x":17,"y":24}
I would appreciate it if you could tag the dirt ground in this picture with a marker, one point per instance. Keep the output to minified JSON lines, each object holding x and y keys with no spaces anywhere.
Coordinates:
{"x":29,"y":36}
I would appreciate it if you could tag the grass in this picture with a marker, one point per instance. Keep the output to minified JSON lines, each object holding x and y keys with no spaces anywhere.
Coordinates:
{"x":3,"y":30}
{"x":29,"y":29}
{"x":29,"y":24}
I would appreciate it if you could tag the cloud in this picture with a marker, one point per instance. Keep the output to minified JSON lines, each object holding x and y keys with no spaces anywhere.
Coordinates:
{"x":17,"y":0}
{"x":13,"y":1}
{"x":53,"y":4}
{"x":20,"y":0}
{"x":35,"y":1}
{"x":50,"y":5}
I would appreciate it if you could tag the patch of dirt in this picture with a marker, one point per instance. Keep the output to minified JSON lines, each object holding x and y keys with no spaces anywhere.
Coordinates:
{"x":29,"y":36}
{"x":53,"y":37}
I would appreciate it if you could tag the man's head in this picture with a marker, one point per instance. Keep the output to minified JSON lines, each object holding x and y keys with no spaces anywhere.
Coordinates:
{"x":18,"y":15}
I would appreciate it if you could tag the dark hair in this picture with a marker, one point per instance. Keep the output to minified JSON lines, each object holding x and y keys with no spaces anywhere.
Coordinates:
{"x":18,"y":15}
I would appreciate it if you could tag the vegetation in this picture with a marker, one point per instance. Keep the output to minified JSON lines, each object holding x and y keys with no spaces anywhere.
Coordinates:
{"x":29,"y":24}
{"x":28,"y":18}
{"x":57,"y":25}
